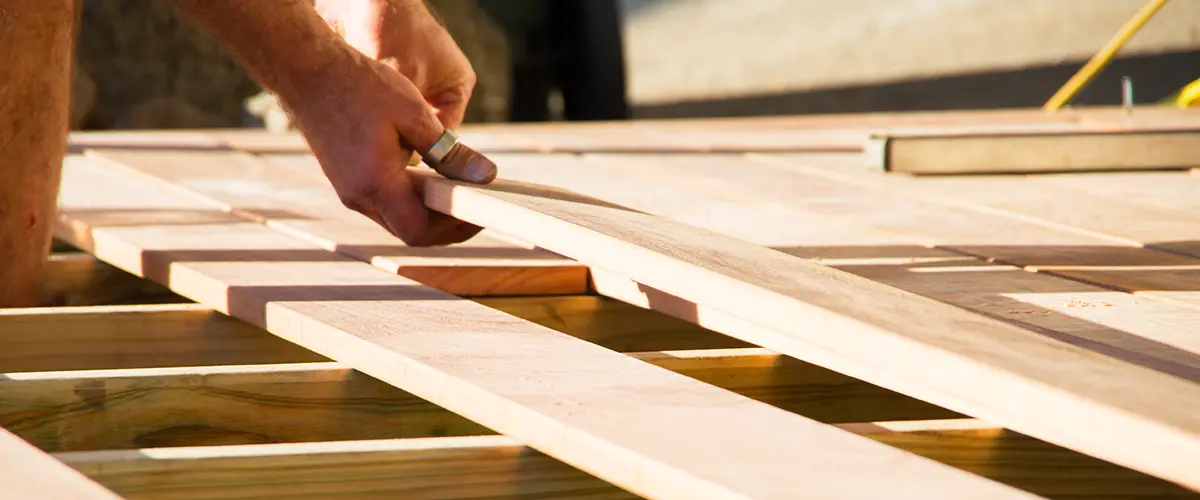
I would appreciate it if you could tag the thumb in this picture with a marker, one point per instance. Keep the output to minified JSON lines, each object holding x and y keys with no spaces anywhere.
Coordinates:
{"x":461,"y":163}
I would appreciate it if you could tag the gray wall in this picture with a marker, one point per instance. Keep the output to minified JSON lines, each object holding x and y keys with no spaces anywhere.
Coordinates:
{"x":723,"y":57}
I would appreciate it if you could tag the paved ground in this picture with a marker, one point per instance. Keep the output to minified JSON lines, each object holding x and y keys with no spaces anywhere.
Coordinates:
{"x":703,"y":49}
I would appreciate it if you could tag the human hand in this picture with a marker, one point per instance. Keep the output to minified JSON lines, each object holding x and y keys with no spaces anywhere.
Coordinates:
{"x":404,"y":35}
{"x":362,"y":120}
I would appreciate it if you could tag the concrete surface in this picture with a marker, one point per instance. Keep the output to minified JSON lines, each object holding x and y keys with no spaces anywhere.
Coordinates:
{"x":685,"y":50}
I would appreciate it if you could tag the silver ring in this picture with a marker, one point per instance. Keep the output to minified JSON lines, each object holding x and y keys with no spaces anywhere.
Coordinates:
{"x":440,"y":149}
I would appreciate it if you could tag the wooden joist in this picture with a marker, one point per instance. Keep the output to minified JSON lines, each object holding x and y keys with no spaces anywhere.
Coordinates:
{"x":1032,"y":149}
{"x":646,"y":429}
{"x":323,"y":401}
{"x":498,"y":466}
{"x":134,"y":336}
{"x":452,"y":467}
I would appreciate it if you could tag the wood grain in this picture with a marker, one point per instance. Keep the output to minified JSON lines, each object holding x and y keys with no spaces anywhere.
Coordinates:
{"x":884,"y":335}
{"x":135,"y":336}
{"x":641,"y":427}
{"x":157,"y":407}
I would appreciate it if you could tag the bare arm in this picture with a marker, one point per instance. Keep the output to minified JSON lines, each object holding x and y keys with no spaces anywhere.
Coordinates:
{"x":35,"y":37}
{"x":362,"y":118}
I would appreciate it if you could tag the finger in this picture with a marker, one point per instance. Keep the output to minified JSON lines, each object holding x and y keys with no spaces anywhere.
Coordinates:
{"x":447,"y":230}
{"x":420,"y":129}
{"x":401,"y":210}
{"x":466,"y":164}
{"x":451,"y":106}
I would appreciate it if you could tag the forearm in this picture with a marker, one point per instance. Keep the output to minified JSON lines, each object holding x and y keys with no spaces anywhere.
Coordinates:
{"x":34,"y":104}
{"x":284,"y":44}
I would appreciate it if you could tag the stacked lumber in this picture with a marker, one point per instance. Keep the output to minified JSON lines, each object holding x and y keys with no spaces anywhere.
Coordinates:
{"x":691,"y":309}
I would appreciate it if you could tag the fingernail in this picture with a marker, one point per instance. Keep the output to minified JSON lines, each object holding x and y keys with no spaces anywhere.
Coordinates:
{"x":480,"y":169}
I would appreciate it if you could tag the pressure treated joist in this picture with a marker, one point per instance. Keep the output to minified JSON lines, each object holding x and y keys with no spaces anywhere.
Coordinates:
{"x":134,"y":336}
{"x":640,"y":427}
{"x":1077,"y":149}
{"x":452,"y":467}
{"x":892,"y":338}
{"x":323,"y":401}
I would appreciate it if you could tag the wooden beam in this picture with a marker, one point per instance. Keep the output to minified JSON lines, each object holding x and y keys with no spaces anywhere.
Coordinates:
{"x":1052,"y":150}
{"x":135,"y":336}
{"x":154,"y":407}
{"x":31,"y":473}
{"x":611,"y":323}
{"x":161,"y":335}
{"x":78,"y":279}
{"x":498,"y":466}
{"x":99,"y":409}
{"x":295,"y":200}
{"x":643,"y":428}
{"x":450,"y":467}
{"x":884,"y":335}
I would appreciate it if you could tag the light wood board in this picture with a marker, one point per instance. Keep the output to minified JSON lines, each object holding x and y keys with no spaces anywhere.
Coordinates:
{"x":956,"y":152}
{"x":643,"y":428}
{"x":885,"y":335}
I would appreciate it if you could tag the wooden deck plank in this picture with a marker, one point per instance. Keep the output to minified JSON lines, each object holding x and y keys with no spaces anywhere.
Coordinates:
{"x":643,"y":428}
{"x":1151,"y":333}
{"x":31,"y":473}
{"x":306,"y":206}
{"x":885,"y":335}
{"x":956,"y":151}
{"x":905,"y":206}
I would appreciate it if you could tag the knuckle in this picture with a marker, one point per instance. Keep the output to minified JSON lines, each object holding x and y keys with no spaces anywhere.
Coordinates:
{"x":358,"y":196}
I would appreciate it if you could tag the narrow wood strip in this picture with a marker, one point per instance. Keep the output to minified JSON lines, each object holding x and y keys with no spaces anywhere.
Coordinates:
{"x":953,"y":152}
{"x":641,"y":427}
{"x":884,"y":335}
{"x":31,"y":473}
{"x":307,"y":207}
{"x":136,"y":336}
